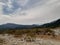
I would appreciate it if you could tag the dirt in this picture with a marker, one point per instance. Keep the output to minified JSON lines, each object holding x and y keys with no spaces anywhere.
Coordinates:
{"x":11,"y":40}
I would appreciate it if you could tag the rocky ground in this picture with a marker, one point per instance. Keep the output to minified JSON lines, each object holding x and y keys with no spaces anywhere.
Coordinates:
{"x":11,"y":40}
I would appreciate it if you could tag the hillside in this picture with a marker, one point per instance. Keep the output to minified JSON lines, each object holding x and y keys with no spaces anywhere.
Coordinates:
{"x":52,"y":24}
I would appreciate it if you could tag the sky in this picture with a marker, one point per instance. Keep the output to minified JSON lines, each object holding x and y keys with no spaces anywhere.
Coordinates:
{"x":29,"y":11}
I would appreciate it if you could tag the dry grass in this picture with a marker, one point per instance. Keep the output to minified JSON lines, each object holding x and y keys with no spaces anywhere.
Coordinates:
{"x":43,"y":36}
{"x":2,"y":41}
{"x":26,"y":40}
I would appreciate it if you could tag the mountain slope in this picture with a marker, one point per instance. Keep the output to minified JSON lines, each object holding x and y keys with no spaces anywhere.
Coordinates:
{"x":52,"y":24}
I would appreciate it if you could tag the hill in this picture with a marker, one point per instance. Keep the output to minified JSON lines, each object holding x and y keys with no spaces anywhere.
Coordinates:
{"x":53,"y":24}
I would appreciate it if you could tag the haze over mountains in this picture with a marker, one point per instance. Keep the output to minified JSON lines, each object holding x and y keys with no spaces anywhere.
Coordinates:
{"x":16,"y":26}
{"x":55,"y":23}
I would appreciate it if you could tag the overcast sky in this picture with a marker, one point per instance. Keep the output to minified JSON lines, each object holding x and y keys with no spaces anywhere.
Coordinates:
{"x":29,"y":11}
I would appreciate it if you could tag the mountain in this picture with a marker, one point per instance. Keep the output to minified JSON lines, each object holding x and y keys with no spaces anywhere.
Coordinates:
{"x":16,"y":26}
{"x":52,"y":24}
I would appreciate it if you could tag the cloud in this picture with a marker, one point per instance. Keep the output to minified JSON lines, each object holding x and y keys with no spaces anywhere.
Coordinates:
{"x":34,"y":12}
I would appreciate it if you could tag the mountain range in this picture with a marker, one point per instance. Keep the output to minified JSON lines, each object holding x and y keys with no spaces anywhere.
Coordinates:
{"x":16,"y":26}
{"x":52,"y":24}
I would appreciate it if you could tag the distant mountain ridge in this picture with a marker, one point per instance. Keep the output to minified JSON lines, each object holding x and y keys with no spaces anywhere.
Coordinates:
{"x":17,"y":26}
{"x":53,"y":24}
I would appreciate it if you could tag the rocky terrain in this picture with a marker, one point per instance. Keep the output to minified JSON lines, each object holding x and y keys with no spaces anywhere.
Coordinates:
{"x":11,"y":40}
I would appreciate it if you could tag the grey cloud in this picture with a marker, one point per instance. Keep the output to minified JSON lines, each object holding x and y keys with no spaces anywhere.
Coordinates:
{"x":35,"y":13}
